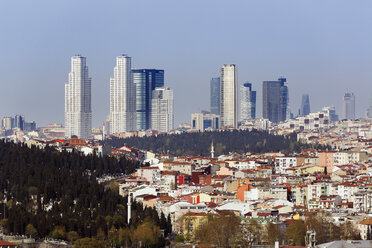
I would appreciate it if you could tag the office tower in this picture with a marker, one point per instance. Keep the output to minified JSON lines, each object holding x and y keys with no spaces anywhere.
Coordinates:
{"x":215,"y":96}
{"x":145,"y":81}
{"x":29,"y":126}
{"x":247,"y":102}
{"x":305,"y":105}
{"x":204,"y":120}
{"x":229,"y":96}
{"x":275,"y":100}
{"x":19,"y":122}
{"x":78,"y":100}
{"x":7,"y":123}
{"x":162,"y":109}
{"x":369,"y":111}
{"x":349,"y":106}
{"x":331,"y":112}
{"x":122,"y":97}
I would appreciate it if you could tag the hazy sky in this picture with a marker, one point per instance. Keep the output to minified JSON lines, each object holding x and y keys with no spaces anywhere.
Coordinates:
{"x":323,"y":47}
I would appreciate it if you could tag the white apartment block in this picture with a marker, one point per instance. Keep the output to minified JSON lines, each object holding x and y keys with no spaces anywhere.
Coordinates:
{"x":229,"y":96}
{"x":162,"y":117}
{"x":349,"y":157}
{"x":284,"y":163}
{"x":122,"y":97}
{"x":312,"y":121}
{"x":314,"y":191}
{"x":78,"y":98}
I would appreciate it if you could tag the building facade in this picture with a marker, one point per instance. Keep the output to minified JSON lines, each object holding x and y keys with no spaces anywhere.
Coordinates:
{"x":122,"y":97}
{"x":215,"y":96}
{"x":247,"y":102}
{"x":348,"y":104}
{"x":305,"y":105}
{"x":7,"y":123}
{"x":162,"y":117}
{"x":203,"y":121}
{"x":275,"y":100}
{"x":145,"y":81}
{"x":229,"y":96}
{"x":78,"y":98}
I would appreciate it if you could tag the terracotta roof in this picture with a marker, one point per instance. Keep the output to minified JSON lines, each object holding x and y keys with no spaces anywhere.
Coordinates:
{"x":367,"y":221}
{"x":5,"y":243}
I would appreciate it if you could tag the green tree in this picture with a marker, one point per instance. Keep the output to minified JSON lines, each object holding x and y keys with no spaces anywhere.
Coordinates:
{"x":296,"y":232}
{"x":31,"y":230}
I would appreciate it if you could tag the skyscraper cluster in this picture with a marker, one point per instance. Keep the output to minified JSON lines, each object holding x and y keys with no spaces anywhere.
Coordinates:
{"x":138,"y":100}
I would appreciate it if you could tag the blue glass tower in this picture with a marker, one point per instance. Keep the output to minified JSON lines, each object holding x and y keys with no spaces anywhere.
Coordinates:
{"x":275,"y":100}
{"x":215,"y":96}
{"x":146,"y":80}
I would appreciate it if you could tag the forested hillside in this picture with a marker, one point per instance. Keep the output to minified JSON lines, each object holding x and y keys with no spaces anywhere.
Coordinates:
{"x":199,"y":143}
{"x":47,"y":193}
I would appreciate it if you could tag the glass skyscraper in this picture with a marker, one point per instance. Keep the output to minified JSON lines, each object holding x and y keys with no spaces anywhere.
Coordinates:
{"x":145,"y":81}
{"x":247,"y":102}
{"x":215,"y":96}
{"x":275,"y":100}
{"x":349,"y":106}
{"x":305,"y":105}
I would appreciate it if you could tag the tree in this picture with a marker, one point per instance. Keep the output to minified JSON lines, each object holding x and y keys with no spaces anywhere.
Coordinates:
{"x":348,"y":231}
{"x":72,"y":236}
{"x":296,"y":232}
{"x":147,"y":233}
{"x":31,"y":230}
{"x":220,"y":230}
{"x":273,"y":233}
{"x":250,"y":233}
{"x":89,"y":242}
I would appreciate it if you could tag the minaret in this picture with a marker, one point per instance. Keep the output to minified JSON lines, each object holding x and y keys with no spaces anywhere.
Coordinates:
{"x":212,"y":150}
{"x":129,"y":208}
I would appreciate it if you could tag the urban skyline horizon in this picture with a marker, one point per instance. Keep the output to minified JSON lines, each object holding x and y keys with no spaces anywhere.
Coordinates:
{"x":312,"y":44}
{"x":295,"y":112}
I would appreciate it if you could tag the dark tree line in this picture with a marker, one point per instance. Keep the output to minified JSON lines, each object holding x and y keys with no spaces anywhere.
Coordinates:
{"x":199,"y":143}
{"x":48,"y":193}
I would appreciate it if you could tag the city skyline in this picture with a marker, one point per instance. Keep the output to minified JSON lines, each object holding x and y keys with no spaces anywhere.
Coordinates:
{"x":317,"y":55}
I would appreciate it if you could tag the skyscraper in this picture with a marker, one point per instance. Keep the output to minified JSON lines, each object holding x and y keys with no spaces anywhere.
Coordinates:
{"x":247,"y":102}
{"x":229,"y":96}
{"x":369,"y":111}
{"x":305,"y":105}
{"x":215,"y":96}
{"x":122,"y":97}
{"x":275,"y":100}
{"x":349,"y":106}
{"x":78,"y":111}
{"x":19,"y":122}
{"x":162,"y":117}
{"x":7,"y":123}
{"x":145,"y":81}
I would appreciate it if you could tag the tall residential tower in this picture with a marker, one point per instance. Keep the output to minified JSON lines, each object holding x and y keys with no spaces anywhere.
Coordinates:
{"x":78,"y":110}
{"x":162,"y":117}
{"x":145,"y":81}
{"x":122,"y":97}
{"x":229,"y":96}
{"x":247,"y":102}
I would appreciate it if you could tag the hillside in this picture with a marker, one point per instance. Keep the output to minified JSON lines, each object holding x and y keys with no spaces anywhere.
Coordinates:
{"x":227,"y":141}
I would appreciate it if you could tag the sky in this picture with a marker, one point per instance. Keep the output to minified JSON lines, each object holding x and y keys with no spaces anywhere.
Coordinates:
{"x":323,"y":48}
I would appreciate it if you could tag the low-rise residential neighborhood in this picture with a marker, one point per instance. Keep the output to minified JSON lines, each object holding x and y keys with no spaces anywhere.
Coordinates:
{"x":271,"y":187}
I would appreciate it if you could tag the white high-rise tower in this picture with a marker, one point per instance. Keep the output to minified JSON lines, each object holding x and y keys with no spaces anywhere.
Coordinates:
{"x":162,"y":109}
{"x":349,"y":106}
{"x":78,"y":110}
{"x":229,"y":96}
{"x":122,"y":97}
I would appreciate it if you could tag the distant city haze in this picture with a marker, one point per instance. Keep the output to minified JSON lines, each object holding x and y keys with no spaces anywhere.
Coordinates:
{"x":323,"y":48}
